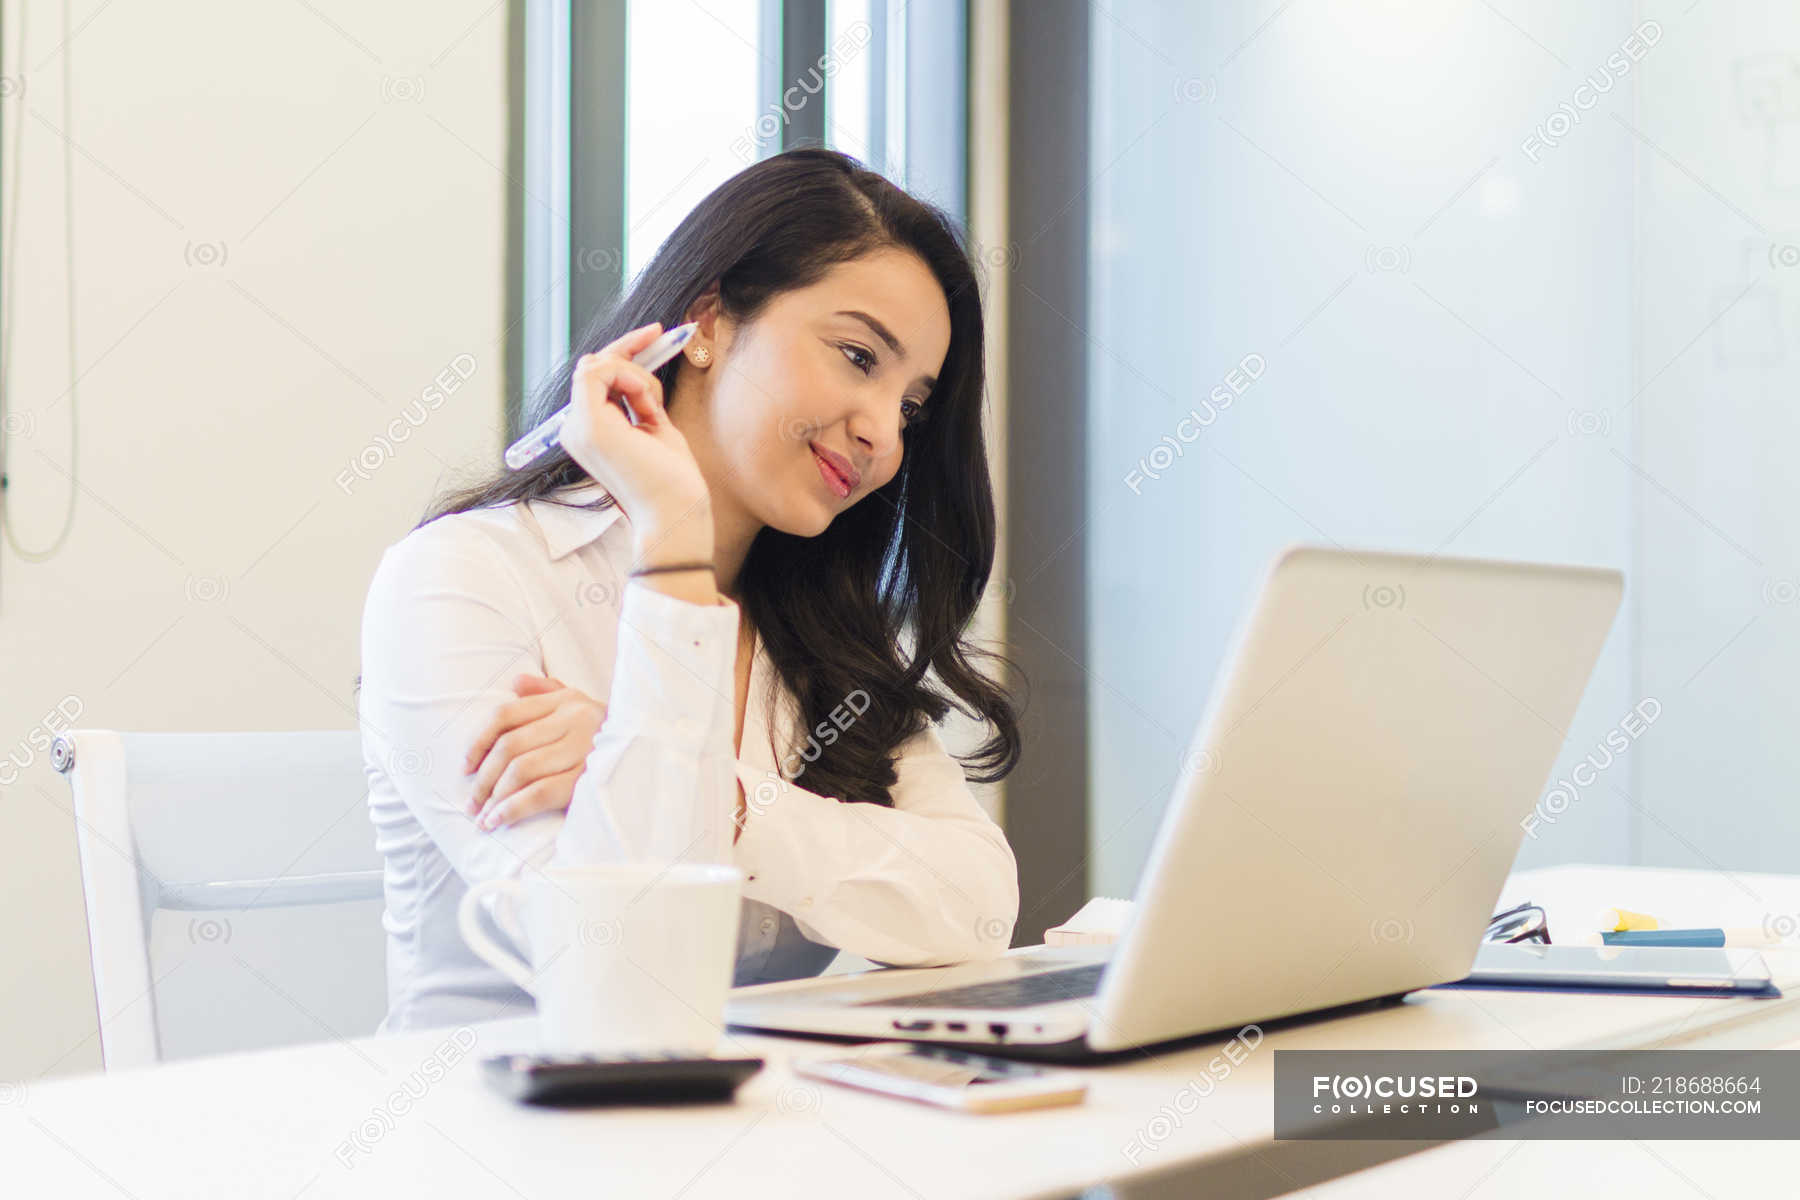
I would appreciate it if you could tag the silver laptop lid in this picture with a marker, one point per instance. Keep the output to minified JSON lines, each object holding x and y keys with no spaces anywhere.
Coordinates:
{"x":1353,"y":800}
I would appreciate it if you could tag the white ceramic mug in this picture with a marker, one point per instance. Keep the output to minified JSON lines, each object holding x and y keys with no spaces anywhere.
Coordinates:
{"x":629,"y":958}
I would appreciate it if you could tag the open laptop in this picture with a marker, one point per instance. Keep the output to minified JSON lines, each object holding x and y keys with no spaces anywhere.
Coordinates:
{"x":1338,"y":832}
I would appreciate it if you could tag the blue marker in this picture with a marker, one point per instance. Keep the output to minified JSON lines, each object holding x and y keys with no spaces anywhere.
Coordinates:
{"x":537,"y":443}
{"x":1688,"y":937}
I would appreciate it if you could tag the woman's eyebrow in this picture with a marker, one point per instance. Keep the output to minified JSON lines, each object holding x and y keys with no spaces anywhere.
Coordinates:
{"x":882,"y":332}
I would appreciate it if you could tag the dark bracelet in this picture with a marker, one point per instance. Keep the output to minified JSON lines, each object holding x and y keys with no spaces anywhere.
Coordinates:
{"x":686,"y":566}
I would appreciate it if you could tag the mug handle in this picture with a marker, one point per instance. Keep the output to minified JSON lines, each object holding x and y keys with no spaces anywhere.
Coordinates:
{"x":468,"y":921}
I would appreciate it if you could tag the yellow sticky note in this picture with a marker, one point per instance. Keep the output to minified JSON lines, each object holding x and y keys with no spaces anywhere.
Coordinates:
{"x":1613,"y":920}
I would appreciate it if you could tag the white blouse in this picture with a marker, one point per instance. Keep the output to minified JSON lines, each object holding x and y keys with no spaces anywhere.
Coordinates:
{"x":459,"y":607}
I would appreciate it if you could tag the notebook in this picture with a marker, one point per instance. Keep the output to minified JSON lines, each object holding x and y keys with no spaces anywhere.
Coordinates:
{"x":1099,"y":922}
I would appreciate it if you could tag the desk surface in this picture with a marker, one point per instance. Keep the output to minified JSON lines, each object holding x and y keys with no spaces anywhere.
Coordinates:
{"x":409,"y":1115}
{"x":1571,"y":897}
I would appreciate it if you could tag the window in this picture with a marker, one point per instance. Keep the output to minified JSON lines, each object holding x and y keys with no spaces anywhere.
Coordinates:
{"x":690,"y":110}
{"x":1447,"y":319}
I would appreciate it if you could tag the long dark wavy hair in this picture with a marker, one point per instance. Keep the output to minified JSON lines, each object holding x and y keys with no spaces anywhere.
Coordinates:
{"x":914,"y":556}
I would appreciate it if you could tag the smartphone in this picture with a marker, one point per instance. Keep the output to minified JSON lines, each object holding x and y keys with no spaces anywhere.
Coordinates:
{"x":948,"y":1077}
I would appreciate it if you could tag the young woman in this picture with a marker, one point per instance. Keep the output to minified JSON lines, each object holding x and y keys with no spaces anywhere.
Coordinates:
{"x":724,"y":634}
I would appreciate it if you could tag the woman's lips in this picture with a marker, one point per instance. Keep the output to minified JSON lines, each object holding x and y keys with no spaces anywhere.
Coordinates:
{"x":834,"y":478}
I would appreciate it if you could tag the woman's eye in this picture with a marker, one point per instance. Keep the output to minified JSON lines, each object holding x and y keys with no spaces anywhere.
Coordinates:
{"x":851,"y":349}
{"x":916,"y":413}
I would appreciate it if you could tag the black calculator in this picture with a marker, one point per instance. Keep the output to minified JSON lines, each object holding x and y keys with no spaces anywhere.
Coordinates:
{"x":617,"y":1079}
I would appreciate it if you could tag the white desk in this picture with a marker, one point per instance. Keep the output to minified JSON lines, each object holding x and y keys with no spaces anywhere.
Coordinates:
{"x":1571,"y":897}
{"x":296,"y":1122}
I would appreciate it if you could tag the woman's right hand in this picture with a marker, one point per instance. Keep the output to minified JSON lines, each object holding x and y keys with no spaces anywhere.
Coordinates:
{"x":648,"y":468}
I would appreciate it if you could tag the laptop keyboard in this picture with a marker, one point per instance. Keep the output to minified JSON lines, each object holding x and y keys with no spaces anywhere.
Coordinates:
{"x":1021,"y":991}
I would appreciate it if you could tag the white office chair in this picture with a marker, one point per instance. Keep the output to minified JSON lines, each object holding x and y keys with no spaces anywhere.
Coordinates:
{"x":233,"y":889}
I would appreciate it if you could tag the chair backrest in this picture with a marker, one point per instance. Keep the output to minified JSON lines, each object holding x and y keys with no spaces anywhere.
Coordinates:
{"x":233,"y":889}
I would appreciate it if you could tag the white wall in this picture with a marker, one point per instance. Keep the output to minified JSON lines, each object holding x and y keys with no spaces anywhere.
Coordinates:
{"x":1718,"y":432}
{"x":288,"y":220}
{"x":1341,"y":189}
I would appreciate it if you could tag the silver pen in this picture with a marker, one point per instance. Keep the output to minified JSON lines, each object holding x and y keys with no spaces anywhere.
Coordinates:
{"x":535,"y":444}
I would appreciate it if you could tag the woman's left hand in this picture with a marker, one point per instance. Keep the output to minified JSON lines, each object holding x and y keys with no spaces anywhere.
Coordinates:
{"x":531,"y":751}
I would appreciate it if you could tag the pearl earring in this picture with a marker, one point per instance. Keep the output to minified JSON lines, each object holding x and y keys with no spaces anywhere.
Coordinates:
{"x":700,"y":355}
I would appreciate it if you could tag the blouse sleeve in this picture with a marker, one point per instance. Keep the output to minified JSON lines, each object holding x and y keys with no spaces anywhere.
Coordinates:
{"x":659,"y":783}
{"x":928,"y":882}
{"x":446,"y":627}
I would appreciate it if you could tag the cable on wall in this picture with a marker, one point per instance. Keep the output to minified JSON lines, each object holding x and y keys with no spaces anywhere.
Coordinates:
{"x":9,"y":293}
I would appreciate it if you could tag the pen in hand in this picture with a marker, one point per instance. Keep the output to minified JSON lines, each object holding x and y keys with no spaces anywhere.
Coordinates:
{"x":537,"y":443}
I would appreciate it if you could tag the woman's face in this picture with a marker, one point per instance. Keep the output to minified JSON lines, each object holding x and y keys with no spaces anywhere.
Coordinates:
{"x":817,"y":388}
